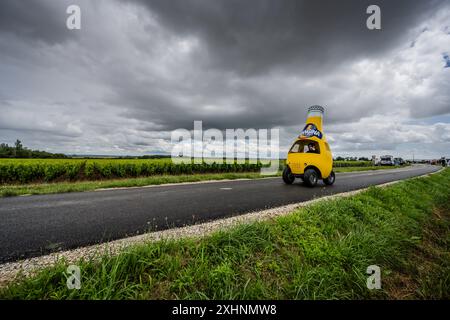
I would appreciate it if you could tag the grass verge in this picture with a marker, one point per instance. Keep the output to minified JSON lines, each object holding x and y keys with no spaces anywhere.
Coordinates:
{"x":80,"y":186}
{"x":317,"y":252}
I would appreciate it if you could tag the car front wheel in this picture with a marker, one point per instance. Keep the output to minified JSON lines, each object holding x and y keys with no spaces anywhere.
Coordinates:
{"x":288,"y":177}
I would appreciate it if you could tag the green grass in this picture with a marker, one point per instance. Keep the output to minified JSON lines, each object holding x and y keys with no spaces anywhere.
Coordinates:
{"x":317,"y":252}
{"x":9,"y":190}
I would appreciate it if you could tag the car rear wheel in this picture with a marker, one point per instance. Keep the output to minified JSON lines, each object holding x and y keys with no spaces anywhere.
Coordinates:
{"x":288,"y":177}
{"x":310,"y":177}
{"x":330,"y":180}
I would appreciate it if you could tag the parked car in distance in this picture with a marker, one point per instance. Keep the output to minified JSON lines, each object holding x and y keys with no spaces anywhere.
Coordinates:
{"x":399,"y":161}
{"x":375,"y":160}
{"x":387,"y":160}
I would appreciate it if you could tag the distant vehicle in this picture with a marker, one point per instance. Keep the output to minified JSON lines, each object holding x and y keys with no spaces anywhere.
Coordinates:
{"x":387,"y":160}
{"x":376,"y":160}
{"x":399,"y":161}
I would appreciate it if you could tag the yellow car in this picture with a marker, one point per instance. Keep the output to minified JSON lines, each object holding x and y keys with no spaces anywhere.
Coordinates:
{"x":310,"y":157}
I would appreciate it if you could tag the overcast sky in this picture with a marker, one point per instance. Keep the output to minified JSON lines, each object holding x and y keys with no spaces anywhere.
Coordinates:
{"x":139,"y":69}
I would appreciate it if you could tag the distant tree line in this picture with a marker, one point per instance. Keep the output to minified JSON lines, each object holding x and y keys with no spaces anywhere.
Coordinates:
{"x":19,"y":151}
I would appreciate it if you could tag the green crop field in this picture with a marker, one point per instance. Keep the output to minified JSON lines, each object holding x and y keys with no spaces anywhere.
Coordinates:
{"x":21,"y":171}
{"x":13,"y":171}
{"x":26,"y":171}
{"x":344,"y":164}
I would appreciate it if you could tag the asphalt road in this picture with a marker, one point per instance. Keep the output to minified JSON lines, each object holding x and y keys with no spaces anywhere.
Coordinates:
{"x":36,"y":225}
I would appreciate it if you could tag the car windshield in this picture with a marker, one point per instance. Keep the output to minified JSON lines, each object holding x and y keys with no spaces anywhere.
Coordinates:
{"x":305,"y":146}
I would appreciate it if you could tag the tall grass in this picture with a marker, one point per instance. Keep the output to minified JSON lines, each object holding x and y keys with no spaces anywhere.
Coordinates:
{"x":14,"y":171}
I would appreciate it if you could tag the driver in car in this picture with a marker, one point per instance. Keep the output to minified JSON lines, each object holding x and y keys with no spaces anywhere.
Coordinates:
{"x":312,"y":148}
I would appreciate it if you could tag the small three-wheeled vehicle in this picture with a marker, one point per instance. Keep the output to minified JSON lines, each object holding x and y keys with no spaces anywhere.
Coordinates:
{"x":310,"y":157}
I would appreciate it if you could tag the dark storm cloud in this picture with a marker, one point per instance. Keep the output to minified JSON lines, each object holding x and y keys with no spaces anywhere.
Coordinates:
{"x":35,"y":19}
{"x":253,"y":37}
{"x":247,"y":40}
{"x":139,"y":69}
